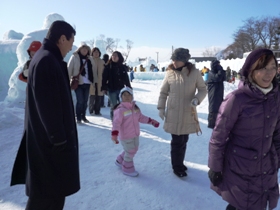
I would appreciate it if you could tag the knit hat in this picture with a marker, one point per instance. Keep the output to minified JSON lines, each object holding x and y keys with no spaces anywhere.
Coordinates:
{"x":34,"y":46}
{"x":251,"y":59}
{"x":181,"y":54}
{"x":125,"y":89}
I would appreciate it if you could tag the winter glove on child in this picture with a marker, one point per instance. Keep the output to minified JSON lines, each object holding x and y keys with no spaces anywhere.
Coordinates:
{"x":115,"y":137}
{"x":215,"y":177}
{"x":153,"y":122}
{"x":161,"y":114}
{"x":194,"y":102}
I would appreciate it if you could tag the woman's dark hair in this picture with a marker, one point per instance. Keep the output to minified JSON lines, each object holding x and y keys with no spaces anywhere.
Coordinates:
{"x":121,"y":59}
{"x":59,"y":28}
{"x":96,"y":49}
{"x":262,"y":62}
{"x":105,"y":58}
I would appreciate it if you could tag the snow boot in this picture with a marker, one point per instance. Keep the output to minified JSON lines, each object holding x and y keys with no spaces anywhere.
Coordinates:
{"x":118,"y":164}
{"x":180,"y":173}
{"x":132,"y":174}
{"x":128,"y":168}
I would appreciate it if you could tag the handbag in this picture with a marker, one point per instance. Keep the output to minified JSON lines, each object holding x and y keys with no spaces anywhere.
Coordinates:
{"x":75,"y":79}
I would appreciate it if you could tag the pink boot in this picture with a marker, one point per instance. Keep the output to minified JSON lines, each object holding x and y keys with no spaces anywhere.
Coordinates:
{"x":119,"y":160}
{"x":128,"y":169}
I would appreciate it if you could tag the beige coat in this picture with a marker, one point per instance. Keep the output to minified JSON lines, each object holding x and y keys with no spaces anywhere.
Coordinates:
{"x":100,"y":68}
{"x":74,"y":65}
{"x":175,"y":97}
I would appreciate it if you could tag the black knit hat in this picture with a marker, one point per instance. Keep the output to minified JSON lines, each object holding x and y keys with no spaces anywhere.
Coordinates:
{"x":181,"y":54}
{"x":251,"y":59}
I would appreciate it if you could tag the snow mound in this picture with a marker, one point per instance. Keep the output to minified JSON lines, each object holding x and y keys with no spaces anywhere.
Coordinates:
{"x":49,"y":19}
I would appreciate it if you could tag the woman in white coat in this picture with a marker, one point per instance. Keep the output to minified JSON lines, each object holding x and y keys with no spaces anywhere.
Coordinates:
{"x":182,"y":90}
{"x":87,"y":77}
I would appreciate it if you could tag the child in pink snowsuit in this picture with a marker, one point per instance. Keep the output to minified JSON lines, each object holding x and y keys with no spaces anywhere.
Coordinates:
{"x":127,"y":116}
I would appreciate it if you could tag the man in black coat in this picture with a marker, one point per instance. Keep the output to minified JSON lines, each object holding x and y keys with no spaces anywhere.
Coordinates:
{"x":215,"y":87}
{"x":47,"y":161}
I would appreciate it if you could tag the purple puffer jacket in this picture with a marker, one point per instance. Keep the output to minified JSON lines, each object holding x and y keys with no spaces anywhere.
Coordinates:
{"x":245,"y":147}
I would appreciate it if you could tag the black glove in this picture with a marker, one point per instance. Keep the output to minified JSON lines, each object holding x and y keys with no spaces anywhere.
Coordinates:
{"x":215,"y":177}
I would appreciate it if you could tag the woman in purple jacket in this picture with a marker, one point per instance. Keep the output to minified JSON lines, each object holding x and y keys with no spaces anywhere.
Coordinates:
{"x":244,"y":150}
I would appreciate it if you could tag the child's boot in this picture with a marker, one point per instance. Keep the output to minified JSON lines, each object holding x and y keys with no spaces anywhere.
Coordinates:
{"x":128,"y":169}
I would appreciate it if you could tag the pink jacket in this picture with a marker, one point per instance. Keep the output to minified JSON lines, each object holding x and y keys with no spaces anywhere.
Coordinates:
{"x":126,"y":120}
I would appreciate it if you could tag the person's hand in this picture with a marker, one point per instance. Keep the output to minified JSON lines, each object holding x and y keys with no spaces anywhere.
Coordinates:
{"x":153,"y":122}
{"x":115,"y":139}
{"x":215,"y":177}
{"x":194,"y":102}
{"x":25,"y":72}
{"x":114,"y":136}
{"x":161,"y":114}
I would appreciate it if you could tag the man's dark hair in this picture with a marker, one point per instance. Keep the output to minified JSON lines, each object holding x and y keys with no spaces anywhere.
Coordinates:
{"x":59,"y":28}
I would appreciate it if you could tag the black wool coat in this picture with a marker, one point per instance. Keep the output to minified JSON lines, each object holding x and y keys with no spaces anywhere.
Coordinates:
{"x":215,"y":87}
{"x":47,"y":170}
{"x":115,"y":77}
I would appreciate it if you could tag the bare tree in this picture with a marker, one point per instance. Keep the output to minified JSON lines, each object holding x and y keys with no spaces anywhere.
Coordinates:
{"x":233,"y":51}
{"x":262,"y":31}
{"x":267,"y":29}
{"x":116,"y":45}
{"x":129,"y":44}
{"x":110,"y":44}
{"x":274,"y":33}
{"x":90,"y":43}
{"x":256,"y":33}
{"x":250,"y":33}
{"x":102,"y":36}
{"x":242,"y":40}
{"x":211,"y":52}
{"x":276,"y":40}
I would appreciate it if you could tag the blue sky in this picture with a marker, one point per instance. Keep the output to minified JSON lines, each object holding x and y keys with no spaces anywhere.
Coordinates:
{"x":197,"y":24}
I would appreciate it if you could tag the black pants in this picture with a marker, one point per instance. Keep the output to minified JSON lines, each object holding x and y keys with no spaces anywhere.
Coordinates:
{"x":102,"y":98}
{"x":212,"y":119}
{"x":45,"y":203}
{"x":95,"y":102}
{"x":178,"y":150}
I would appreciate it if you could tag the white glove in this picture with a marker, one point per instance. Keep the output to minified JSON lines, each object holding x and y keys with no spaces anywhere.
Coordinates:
{"x":25,"y":73}
{"x":194,"y":102}
{"x":161,"y":114}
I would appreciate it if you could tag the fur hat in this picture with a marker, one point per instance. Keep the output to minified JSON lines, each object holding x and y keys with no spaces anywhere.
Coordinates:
{"x":125,"y":89}
{"x":34,"y":46}
{"x":181,"y":54}
{"x":251,"y":59}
